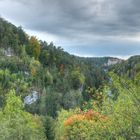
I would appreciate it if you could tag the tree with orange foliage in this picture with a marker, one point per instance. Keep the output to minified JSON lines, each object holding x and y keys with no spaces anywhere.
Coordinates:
{"x":81,"y":125}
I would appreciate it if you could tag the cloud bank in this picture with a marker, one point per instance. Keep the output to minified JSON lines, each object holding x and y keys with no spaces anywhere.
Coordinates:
{"x":100,"y":26}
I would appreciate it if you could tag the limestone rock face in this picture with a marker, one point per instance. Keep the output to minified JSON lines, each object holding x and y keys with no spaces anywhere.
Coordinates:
{"x":31,"y":98}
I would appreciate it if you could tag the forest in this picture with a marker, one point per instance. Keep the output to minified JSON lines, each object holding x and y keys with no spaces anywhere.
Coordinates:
{"x":48,"y":94}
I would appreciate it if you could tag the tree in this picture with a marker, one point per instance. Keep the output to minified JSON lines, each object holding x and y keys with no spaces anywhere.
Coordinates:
{"x":34,"y":67}
{"x":53,"y":102}
{"x":16,"y":124}
{"x":72,"y":99}
{"x":33,"y":48}
{"x":49,"y":124}
{"x":79,"y":125}
{"x":77,"y":78}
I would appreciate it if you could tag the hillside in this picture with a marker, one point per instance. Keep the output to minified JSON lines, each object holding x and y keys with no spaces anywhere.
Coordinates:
{"x":129,"y":68}
{"x":51,"y":94}
{"x":42,"y":67}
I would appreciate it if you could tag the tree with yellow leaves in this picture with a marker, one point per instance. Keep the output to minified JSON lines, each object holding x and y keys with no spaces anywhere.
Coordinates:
{"x":33,"y":48}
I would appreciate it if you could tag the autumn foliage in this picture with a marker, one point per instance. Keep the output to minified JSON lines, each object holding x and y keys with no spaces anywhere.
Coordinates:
{"x":88,"y":115}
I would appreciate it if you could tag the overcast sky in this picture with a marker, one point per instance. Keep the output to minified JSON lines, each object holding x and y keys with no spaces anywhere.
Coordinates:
{"x":81,"y":27}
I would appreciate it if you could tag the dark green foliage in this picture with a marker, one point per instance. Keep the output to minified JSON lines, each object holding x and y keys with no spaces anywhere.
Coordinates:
{"x":14,"y":64}
{"x":53,"y":102}
{"x":49,"y":124}
{"x":11,"y":36}
{"x":72,"y":99}
{"x":77,"y":78}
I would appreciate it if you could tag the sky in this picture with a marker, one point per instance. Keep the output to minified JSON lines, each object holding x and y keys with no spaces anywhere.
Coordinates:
{"x":87,"y":28}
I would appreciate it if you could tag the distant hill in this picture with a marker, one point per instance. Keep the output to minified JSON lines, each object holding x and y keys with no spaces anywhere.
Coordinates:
{"x":102,"y":61}
{"x":129,"y":67}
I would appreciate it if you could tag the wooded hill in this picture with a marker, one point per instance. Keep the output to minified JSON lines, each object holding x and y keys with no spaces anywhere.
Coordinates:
{"x":49,"y":80}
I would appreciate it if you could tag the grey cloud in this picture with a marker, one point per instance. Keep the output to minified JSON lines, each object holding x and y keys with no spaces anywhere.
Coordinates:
{"x":80,"y":20}
{"x":66,"y":17}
